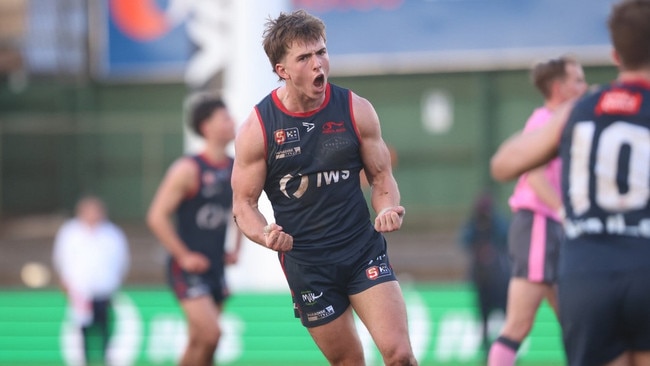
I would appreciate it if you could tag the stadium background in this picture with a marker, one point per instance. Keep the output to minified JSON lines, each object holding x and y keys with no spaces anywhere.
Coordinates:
{"x":90,"y":101}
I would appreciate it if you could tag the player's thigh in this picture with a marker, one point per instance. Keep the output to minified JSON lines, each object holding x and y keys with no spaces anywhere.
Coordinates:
{"x":382,"y":310}
{"x":524,"y":298}
{"x":202,"y":314}
{"x":339,"y":340}
{"x":640,"y":358}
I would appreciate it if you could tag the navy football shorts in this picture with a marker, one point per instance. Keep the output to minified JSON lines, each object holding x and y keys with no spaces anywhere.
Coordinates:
{"x":603,"y":315}
{"x":190,"y":285}
{"x":321,"y":292}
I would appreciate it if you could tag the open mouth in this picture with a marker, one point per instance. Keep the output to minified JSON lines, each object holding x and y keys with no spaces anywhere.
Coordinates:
{"x":319,"y":80}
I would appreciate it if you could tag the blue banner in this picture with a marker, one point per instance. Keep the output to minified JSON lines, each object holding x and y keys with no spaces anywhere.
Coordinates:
{"x":143,"y":39}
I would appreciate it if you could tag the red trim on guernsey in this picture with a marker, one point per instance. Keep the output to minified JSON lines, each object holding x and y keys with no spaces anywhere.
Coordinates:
{"x":644,"y":83}
{"x":221,"y":164}
{"x":354,"y":121}
{"x":278,"y":103}
{"x":206,"y":159}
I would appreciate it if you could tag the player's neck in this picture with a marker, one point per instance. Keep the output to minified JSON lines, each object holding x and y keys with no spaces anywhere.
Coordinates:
{"x":552,"y":104}
{"x":214,"y":153}
{"x":635,"y":76}
{"x":295,"y":101}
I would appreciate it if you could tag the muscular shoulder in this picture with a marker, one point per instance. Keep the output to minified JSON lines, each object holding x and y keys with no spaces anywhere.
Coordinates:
{"x":250,"y":140}
{"x":365,"y":116}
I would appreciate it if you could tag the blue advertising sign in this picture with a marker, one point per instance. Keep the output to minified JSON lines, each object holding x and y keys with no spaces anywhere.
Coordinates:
{"x":158,"y":39}
{"x":363,"y":34}
{"x":143,"y":39}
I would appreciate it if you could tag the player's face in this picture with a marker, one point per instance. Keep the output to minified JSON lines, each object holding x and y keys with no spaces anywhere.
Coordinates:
{"x":220,"y":126}
{"x":574,"y":85}
{"x":306,"y":67}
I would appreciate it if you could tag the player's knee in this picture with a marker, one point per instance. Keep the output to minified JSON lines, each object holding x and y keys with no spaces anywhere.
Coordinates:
{"x":400,"y":356}
{"x":347,"y":359}
{"x":345,"y":356}
{"x":212,"y":337}
{"x":517,"y":330}
{"x":206,"y":338}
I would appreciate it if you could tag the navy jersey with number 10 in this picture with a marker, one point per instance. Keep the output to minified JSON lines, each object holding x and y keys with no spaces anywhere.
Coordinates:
{"x":605,"y":152}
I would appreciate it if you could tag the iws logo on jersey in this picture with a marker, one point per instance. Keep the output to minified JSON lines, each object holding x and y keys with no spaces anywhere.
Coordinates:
{"x":333,"y":127}
{"x":286,"y":135}
{"x":375,"y":272}
{"x":211,"y":216}
{"x":298,"y":184}
{"x":619,"y":102}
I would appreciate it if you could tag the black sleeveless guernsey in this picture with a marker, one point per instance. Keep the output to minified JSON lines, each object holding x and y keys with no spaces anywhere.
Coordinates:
{"x":202,"y":219}
{"x":313,"y":166}
{"x":605,"y":153}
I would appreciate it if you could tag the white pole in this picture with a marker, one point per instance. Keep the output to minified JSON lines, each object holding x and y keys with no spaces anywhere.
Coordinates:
{"x":248,"y":79}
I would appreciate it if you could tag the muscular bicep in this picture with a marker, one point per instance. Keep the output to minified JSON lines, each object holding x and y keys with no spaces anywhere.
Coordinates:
{"x":249,"y":170}
{"x":374,"y":152}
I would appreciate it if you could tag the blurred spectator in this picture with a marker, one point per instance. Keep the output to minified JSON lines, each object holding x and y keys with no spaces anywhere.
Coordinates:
{"x":484,"y":237}
{"x":91,"y":257}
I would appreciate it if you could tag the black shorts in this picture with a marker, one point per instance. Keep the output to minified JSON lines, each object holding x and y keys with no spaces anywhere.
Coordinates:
{"x":534,"y":245}
{"x":190,"y":285}
{"x":604,"y":315}
{"x":321,"y":292}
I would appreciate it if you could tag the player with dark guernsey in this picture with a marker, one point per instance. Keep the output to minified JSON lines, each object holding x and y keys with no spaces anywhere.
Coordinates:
{"x":305,"y":145}
{"x":603,"y":140}
{"x":313,"y":178}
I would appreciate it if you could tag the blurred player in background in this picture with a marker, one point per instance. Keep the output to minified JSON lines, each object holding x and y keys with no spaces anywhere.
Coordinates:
{"x":305,"y":145}
{"x":485,"y":240}
{"x":91,"y":257}
{"x":604,"y":143}
{"x":196,"y":193}
{"x":536,"y":229}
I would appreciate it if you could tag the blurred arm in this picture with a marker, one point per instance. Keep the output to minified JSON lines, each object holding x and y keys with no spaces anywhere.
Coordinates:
{"x":525,"y":151}
{"x":179,"y":181}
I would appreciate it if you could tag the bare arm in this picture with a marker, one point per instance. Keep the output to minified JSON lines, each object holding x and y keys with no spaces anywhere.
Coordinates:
{"x":232,"y":256}
{"x":177,"y":183}
{"x":248,"y":177}
{"x":385,"y":196}
{"x":525,"y":151}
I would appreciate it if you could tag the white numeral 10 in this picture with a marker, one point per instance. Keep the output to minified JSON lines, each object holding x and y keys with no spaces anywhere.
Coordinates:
{"x":606,"y":168}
